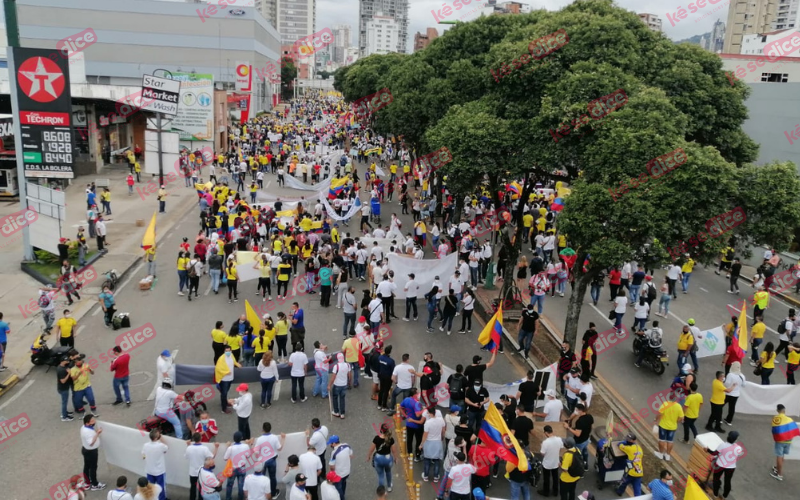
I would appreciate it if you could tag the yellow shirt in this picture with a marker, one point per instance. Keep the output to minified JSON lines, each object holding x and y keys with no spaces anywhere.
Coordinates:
{"x":220,"y":159}
{"x":687,"y":266}
{"x":406,"y":169}
{"x":66,"y":325}
{"x":307,"y":252}
{"x":80,"y":377}
{"x":527,"y":220}
{"x":234,"y":341}
{"x":393,"y":169}
{"x":692,"y":405}
{"x":284,"y":277}
{"x":758,"y":330}
{"x":717,"y":392}
{"x":540,"y":223}
{"x":218,"y":336}
{"x":281,"y":328}
{"x":670,"y":412}
{"x":351,"y":348}
{"x":761,"y":299}
{"x":277,"y":245}
{"x":562,"y":241}
{"x":685,"y":341}
{"x":566,"y":461}
{"x":182,"y":263}
{"x":767,"y":363}
{"x":794,"y":358}
{"x":334,"y":235}
{"x":231,"y":273}
{"x":266,"y":271}
{"x":634,"y":452}
{"x":306,"y":224}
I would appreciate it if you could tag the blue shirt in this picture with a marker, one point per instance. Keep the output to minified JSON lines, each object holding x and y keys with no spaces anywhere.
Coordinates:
{"x":299,"y":317}
{"x":325,"y":276}
{"x":107,"y":298}
{"x":386,"y":365}
{"x":242,"y":326}
{"x":90,"y":198}
{"x":411,"y":407}
{"x":660,"y":490}
{"x":3,"y":331}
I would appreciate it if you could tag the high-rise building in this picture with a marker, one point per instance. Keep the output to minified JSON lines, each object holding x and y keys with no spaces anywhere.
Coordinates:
{"x":396,"y":9}
{"x":341,"y":41}
{"x":748,"y":17}
{"x":652,"y":21}
{"x":268,"y":10}
{"x":421,"y":41}
{"x":717,"y":40}
{"x":294,"y":19}
{"x":383,"y":33}
{"x":786,"y":15}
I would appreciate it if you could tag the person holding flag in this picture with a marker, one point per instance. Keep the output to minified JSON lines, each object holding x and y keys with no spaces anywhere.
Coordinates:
{"x":223,"y":375}
{"x":784,"y":429}
{"x":494,"y":434}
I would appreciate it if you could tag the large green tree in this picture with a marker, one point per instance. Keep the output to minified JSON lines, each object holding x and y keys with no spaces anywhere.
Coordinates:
{"x":504,"y":116}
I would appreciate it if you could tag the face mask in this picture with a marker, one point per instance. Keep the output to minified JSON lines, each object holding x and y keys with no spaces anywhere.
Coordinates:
{"x":669,"y":483}
{"x":477,"y":388}
{"x":228,"y":354}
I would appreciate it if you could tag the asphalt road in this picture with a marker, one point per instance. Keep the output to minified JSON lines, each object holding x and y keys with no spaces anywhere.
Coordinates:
{"x":707,"y":303}
{"x":50,"y":449}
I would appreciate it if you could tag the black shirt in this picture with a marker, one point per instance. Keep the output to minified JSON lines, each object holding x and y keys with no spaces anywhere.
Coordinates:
{"x":61,"y":372}
{"x":460,"y":393}
{"x":382,"y":446}
{"x":466,"y":433}
{"x":583,"y":424}
{"x":528,"y":392}
{"x":590,"y":337}
{"x":474,"y":373}
{"x":476,"y":397}
{"x":529,"y":320}
{"x":522,"y":426}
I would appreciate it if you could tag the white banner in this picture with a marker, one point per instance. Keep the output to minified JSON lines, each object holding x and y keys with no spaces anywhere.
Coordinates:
{"x":758,"y":399}
{"x":424,"y":271}
{"x":244,"y":266}
{"x":712,"y":343}
{"x":354,"y":208}
{"x":122,"y":446}
{"x":322,"y":187}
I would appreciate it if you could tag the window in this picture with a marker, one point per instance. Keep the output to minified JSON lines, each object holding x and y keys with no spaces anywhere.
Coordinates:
{"x":775,"y":77}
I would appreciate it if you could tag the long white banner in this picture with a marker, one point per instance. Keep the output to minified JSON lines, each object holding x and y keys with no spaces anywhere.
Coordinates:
{"x":756,"y":399}
{"x":424,"y":271}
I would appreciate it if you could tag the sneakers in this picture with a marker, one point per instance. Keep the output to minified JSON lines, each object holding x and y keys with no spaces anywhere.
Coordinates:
{"x":115,"y":403}
{"x":436,"y":479}
{"x":667,"y":458}
{"x":659,"y":455}
{"x":405,"y":319}
{"x":462,"y":331}
{"x":637,"y":365}
{"x":67,"y":419}
{"x":469,"y":331}
{"x":775,"y":474}
{"x":276,"y":495}
{"x":181,"y":294}
{"x":753,"y":363}
{"x":429,"y":330}
{"x":441,"y":328}
{"x":304,"y":400}
{"x":425,"y":478}
{"x":726,"y":422}
{"x":98,"y":487}
{"x":449,"y":332}
{"x":389,"y":489}
{"x":294,"y":401}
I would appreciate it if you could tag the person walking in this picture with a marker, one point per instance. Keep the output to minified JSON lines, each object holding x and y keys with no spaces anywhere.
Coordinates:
{"x":119,"y":365}
{"x":69,"y":281}
{"x":469,"y":305}
{"x":727,"y":455}
{"x":352,"y":349}
{"x":760,"y":302}
{"x":65,"y":328}
{"x":215,"y":269}
{"x":194,"y":269}
{"x":411,"y":290}
{"x":298,"y":363}
{"x":321,"y":365}
{"x":267,"y":447}
{"x":620,"y":305}
{"x":243,"y":405}
{"x":673,"y":275}
{"x":298,"y":329}
{"x":784,"y":429}
{"x":449,"y":311}
{"x":669,"y":415}
{"x":101,"y":231}
{"x":736,"y":270}
{"x":349,"y":307}
{"x":233,"y":280}
{"x":570,"y":473}
{"x":155,"y":466}
{"x":162,"y":200}
{"x":766,"y":363}
{"x":691,"y":411}
{"x":90,"y":442}
{"x":757,"y":338}
{"x":382,"y":454}
{"x":733,"y":380}
{"x":431,"y":446}
{"x":340,"y":464}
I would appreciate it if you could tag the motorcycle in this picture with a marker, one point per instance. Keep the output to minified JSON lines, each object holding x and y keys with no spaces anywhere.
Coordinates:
{"x":43,"y":355}
{"x":656,"y":357}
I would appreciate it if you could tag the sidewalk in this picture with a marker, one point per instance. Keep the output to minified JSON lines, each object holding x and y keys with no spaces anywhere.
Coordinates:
{"x":124,"y":252}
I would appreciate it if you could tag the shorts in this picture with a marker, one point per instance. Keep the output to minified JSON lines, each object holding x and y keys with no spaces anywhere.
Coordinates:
{"x":375,"y":378}
{"x":665,"y":435}
{"x":782,"y":449}
{"x":528,"y":408}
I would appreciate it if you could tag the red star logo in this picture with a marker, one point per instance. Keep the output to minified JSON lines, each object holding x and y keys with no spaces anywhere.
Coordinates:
{"x":41,"y":79}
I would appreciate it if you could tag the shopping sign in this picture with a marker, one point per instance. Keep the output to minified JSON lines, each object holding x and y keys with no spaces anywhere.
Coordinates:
{"x":44,"y":112}
{"x":160,"y":95}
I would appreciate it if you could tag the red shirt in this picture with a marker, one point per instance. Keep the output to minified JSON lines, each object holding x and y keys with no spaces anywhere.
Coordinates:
{"x":120,"y":365}
{"x":733,"y":355}
{"x":482,"y":458}
{"x":614,"y":277}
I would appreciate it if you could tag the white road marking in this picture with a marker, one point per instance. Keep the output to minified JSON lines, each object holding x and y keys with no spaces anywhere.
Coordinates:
{"x":703,"y":289}
{"x":97,"y":311}
{"x":135,"y":271}
{"x":267,"y":184}
{"x":18,"y":394}
{"x":208,"y":289}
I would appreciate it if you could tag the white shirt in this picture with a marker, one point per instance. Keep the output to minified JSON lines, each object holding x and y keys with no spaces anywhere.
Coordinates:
{"x":364,"y":213}
{"x":552,"y":410}
{"x":243,"y":405}
{"x":229,"y":360}
{"x":296,"y":493}
{"x":405,"y":375}
{"x":469,"y":302}
{"x":461,"y":474}
{"x":115,"y":495}
{"x":455,"y":284}
{"x":340,"y":459}
{"x":154,"y":454}
{"x":728,"y":455}
{"x":549,"y":242}
{"x":573,"y":383}
{"x":551,"y":448}
{"x":196,"y":454}
{"x":256,"y":486}
{"x":438,"y":283}
{"x":434,"y":426}
{"x":641,"y":310}
{"x":156,"y":493}
{"x":673,"y":272}
{"x":411,"y":289}
{"x":238,"y":453}
{"x":419,"y":254}
{"x":626,"y":271}
{"x":341,"y":370}
{"x":734,"y":378}
{"x":310,"y":465}
{"x":464,"y":270}
{"x":268,"y":372}
{"x":298,"y":360}
{"x":377,"y":252}
{"x":375,"y":308}
{"x":319,"y":439}
{"x":587,"y":389}
{"x":87,"y":435}
{"x":165,"y":399}
{"x":386,"y":288}
{"x":788,"y":325}
{"x":621,"y":303}
{"x":320,"y":360}
{"x":377,"y":273}
{"x":267,"y":446}
{"x":207,"y":481}
{"x":378,"y":233}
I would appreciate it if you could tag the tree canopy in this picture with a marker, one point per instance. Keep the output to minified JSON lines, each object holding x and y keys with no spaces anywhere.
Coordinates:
{"x":473,"y":91}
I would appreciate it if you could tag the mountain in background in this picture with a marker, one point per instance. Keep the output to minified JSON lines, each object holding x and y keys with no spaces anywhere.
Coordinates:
{"x":695,"y":39}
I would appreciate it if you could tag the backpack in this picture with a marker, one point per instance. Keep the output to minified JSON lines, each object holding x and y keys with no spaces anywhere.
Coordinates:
{"x":576,"y":468}
{"x":457,"y":387}
{"x":192,"y":270}
{"x":781,"y":326}
{"x":44,"y":300}
{"x":651,"y":292}
{"x":469,"y":244}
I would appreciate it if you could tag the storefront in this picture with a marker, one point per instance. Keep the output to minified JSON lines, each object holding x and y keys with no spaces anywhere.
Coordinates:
{"x":8,"y":159}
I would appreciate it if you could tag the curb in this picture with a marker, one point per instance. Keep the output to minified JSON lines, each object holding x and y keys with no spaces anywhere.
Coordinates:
{"x":795,"y":302}
{"x":9,"y":384}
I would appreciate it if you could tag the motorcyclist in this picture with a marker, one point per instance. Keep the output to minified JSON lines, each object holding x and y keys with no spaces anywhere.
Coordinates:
{"x":652,"y":336}
{"x":165,"y":404}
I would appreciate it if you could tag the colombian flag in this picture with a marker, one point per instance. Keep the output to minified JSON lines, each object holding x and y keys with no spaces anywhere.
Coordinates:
{"x":495,"y":435}
{"x":221,"y":369}
{"x":740,"y":333}
{"x":557,"y":205}
{"x":784,"y":429}
{"x":515,"y":188}
{"x":492,"y":332}
{"x":693,"y":490}
{"x":337,"y":186}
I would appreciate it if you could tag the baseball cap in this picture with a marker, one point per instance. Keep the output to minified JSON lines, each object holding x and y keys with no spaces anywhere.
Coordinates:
{"x":427,"y":370}
{"x":648,"y":278}
{"x":166,"y":353}
{"x":333,"y":439}
{"x":454,"y":408}
{"x":362,"y":319}
{"x":550,"y":393}
{"x":476,"y":359}
{"x":299,"y":478}
{"x":333,"y":477}
{"x":478,"y":494}
{"x":242,"y":387}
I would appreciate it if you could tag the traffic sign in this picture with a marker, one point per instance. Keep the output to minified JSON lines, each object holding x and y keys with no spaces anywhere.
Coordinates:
{"x":160,"y":95}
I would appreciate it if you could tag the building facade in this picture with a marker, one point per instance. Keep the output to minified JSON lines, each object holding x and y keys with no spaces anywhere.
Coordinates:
{"x":383,"y":35}
{"x":421,"y":41}
{"x":747,"y":17}
{"x":296,"y":19}
{"x":652,"y":21}
{"x":396,"y":9}
{"x":717,"y":40}
{"x":754,"y":44}
{"x":342,"y":36}
{"x":786,"y":15}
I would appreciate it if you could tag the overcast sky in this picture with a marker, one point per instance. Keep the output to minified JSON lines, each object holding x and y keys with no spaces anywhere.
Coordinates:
{"x":332,"y":12}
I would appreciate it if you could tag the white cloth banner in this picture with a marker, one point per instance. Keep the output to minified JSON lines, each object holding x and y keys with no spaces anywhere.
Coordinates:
{"x":794,"y":451}
{"x":758,"y":399}
{"x":122,"y":447}
{"x":286,"y":205}
{"x":385,"y":244}
{"x":379,"y":171}
{"x":322,"y":187}
{"x":244,"y":266}
{"x":712,"y":343}
{"x":354,"y":208}
{"x":424,"y":271}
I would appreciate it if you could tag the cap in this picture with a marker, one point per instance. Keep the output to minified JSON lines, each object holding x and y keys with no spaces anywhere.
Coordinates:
{"x":631,"y":436}
{"x":550,"y":393}
{"x":574,"y":369}
{"x":454,"y":408}
{"x":648,"y":278}
{"x":242,"y":387}
{"x":332,"y":477}
{"x":333,"y":439}
{"x":379,"y":345}
{"x":478,"y":494}
{"x":166,"y":353}
{"x":476,"y":359}
{"x":427,"y":370}
{"x":299,"y":478}
{"x":691,"y":321}
{"x":238,"y":436}
{"x":362,"y":319}
{"x":62,"y":240}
